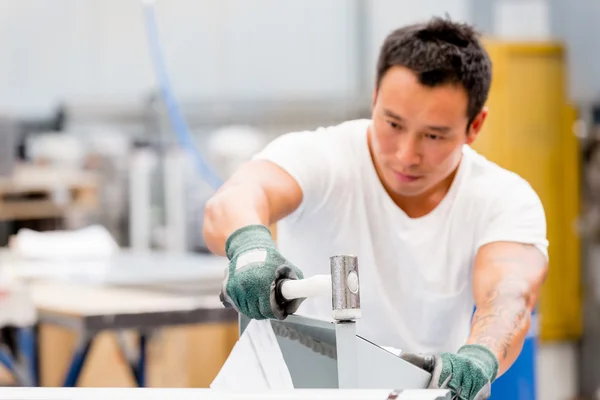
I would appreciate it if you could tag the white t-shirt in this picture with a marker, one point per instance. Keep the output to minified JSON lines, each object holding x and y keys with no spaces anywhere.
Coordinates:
{"x":415,"y":273}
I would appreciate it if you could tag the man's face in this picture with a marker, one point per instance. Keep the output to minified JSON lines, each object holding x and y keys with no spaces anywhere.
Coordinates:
{"x":418,"y":132}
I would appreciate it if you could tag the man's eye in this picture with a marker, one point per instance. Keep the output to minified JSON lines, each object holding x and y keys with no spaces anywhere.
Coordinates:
{"x":432,"y":137}
{"x":394,"y":125}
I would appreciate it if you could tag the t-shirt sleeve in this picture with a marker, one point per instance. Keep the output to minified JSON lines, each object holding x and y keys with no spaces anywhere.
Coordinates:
{"x":308,"y":158}
{"x":517,"y":215}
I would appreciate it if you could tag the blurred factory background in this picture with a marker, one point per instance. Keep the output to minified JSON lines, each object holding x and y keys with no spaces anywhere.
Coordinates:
{"x":89,"y":140}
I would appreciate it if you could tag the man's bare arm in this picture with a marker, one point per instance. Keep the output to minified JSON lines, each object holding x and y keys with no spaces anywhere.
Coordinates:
{"x":259,"y":192}
{"x":507,"y":281}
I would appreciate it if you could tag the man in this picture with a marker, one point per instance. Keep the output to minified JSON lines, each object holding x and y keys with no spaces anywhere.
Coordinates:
{"x":437,"y":228}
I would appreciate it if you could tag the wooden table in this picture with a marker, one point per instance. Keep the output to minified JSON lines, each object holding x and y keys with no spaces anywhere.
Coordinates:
{"x":130,"y":296}
{"x":40,"y":192}
{"x":90,"y":309}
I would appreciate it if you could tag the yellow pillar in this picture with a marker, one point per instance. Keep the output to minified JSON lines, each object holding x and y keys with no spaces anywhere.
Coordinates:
{"x":529,"y":131}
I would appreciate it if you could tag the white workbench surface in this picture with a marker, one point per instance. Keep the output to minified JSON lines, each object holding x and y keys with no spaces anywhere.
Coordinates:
{"x":125,"y":268}
{"x":121,"y":284}
{"x":207,"y":394}
{"x":86,"y":300}
{"x":16,"y":306}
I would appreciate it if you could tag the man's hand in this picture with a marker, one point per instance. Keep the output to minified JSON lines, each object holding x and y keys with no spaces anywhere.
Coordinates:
{"x":255,"y":268}
{"x":507,"y":278}
{"x":468,"y":373}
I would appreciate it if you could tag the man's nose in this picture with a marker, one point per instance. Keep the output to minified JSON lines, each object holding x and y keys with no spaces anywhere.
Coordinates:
{"x":409,"y":152}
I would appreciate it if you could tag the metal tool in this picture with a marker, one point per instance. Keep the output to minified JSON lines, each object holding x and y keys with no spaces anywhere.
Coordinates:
{"x":342,"y":285}
{"x":329,"y":353}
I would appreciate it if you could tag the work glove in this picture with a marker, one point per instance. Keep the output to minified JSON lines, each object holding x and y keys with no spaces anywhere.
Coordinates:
{"x":468,"y":374}
{"x":255,"y":273}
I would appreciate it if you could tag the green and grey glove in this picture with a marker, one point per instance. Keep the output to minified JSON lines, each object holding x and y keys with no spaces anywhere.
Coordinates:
{"x":468,"y":374}
{"x":256,"y":270}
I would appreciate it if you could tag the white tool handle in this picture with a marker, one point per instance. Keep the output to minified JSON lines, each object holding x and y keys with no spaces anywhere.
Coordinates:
{"x":315,"y":286}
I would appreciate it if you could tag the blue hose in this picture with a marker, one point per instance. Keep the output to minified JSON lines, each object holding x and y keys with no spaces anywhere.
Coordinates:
{"x":178,"y":122}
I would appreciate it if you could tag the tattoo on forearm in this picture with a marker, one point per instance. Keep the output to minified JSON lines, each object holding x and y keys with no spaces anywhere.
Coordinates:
{"x":495,"y":325}
{"x":504,"y":314}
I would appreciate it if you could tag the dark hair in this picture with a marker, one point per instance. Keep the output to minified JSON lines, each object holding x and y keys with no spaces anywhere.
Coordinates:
{"x":440,"y":52}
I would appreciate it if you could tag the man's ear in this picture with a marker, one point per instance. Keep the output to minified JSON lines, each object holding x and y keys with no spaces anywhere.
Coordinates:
{"x":476,"y":125}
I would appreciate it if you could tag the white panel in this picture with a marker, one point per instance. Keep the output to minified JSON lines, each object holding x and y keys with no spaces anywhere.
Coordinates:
{"x":55,"y":49}
{"x":31,"y":63}
{"x":575,"y":23}
{"x":556,"y":372}
{"x":229,"y":48}
{"x":260,"y":48}
{"x":521,"y":19}
{"x":288,"y":49}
